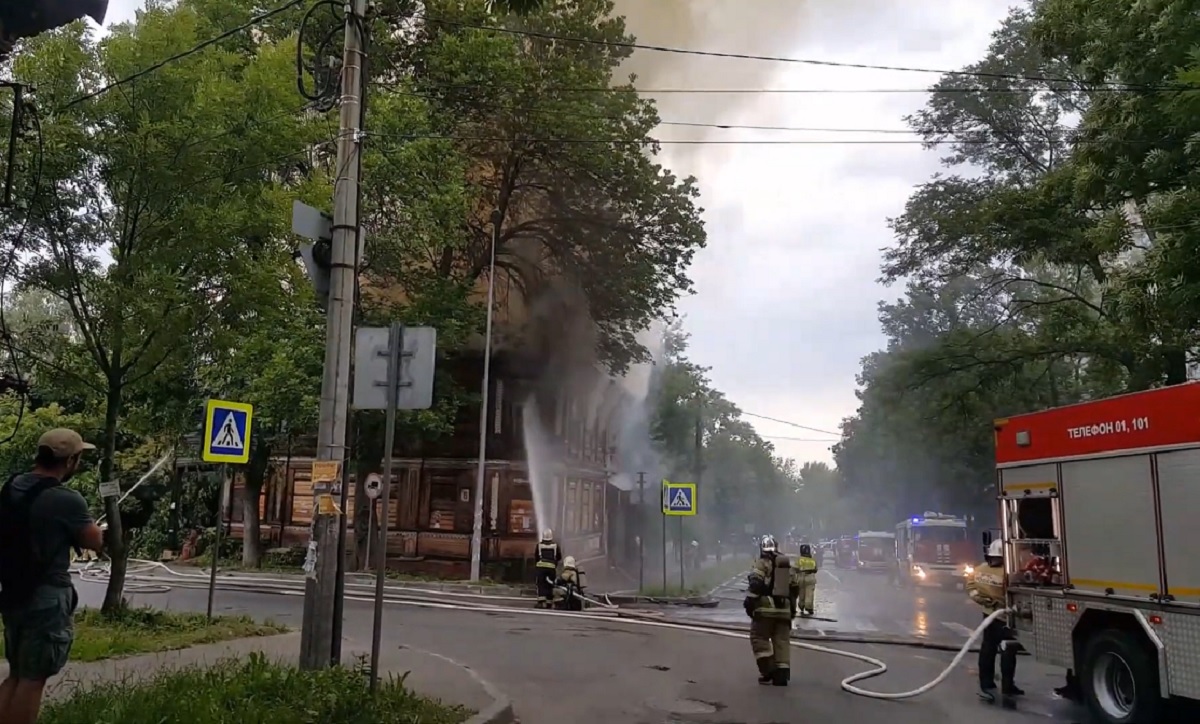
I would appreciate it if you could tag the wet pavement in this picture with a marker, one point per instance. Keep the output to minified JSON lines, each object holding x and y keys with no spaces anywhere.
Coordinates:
{"x":850,"y":603}
{"x":558,"y":669}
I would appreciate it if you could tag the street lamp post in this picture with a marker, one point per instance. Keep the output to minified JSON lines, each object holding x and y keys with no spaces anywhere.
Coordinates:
{"x":485,"y":388}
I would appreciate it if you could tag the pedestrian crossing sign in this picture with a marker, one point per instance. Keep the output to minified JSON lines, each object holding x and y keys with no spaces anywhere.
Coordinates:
{"x":227,"y":432}
{"x":678,"y":498}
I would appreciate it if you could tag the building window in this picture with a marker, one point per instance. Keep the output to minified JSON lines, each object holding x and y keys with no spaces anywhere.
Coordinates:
{"x":572,"y":506}
{"x":443,"y":502}
{"x":585,"y":506}
{"x":521,"y":517}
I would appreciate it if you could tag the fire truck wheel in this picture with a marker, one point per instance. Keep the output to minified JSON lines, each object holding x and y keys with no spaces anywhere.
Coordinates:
{"x":1120,"y":679}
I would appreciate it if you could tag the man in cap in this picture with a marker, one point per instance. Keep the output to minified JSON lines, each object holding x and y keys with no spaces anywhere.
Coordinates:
{"x":41,"y":520}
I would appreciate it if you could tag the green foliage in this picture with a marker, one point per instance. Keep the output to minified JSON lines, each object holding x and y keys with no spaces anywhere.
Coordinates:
{"x":1064,"y":271}
{"x":570,"y":178}
{"x":695,"y":428}
{"x":252,"y":689}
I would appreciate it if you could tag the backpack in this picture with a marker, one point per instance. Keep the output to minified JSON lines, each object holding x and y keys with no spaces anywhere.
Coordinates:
{"x":21,"y":568}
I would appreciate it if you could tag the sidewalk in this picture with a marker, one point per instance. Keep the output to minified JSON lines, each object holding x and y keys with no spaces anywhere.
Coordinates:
{"x":430,"y":674}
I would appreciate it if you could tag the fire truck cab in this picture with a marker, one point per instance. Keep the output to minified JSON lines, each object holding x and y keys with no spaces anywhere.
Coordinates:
{"x":875,"y":550}
{"x":1098,"y":509}
{"x":843,"y":552}
{"x":933,"y":549}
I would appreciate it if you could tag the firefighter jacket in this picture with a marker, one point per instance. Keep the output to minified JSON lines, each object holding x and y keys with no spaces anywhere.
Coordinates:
{"x":569,"y":575}
{"x":548,"y":555}
{"x":774,"y":587}
{"x":806,"y":565}
{"x":986,"y":587}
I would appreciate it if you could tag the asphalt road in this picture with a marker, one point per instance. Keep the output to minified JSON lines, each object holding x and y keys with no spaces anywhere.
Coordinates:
{"x":558,"y":669}
{"x":854,"y":603}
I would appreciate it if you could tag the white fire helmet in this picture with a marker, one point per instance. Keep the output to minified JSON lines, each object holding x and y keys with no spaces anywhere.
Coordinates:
{"x":766,"y":544}
{"x":996,"y":549}
{"x":547,"y":535}
{"x":569,"y":562}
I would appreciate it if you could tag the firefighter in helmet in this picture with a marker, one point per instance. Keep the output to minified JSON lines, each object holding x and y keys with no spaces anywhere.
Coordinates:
{"x":774,"y":588}
{"x":547,"y":556}
{"x":807,"y":565}
{"x":986,"y":586}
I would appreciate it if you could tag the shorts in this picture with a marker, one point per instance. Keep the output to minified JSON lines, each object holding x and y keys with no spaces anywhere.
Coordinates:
{"x":39,"y":635}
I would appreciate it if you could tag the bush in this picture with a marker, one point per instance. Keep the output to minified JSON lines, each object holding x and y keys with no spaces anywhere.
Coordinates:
{"x":254,"y":689}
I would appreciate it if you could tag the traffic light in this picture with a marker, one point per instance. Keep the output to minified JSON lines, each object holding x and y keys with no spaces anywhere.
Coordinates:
{"x":25,"y":18}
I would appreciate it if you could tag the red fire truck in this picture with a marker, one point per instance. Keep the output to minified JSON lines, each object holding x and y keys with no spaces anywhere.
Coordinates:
{"x":876,"y":550}
{"x":843,"y":552}
{"x":933,"y":549}
{"x":1098,"y":508}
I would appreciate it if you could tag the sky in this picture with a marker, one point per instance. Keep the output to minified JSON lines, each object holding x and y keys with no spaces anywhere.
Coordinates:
{"x":786,"y":293}
{"x":785,"y":302}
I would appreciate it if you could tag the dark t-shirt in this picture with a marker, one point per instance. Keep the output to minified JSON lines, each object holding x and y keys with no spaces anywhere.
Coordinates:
{"x":57,"y":518}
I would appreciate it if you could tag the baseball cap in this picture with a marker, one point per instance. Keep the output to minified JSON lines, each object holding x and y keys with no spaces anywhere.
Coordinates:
{"x":63,"y":442}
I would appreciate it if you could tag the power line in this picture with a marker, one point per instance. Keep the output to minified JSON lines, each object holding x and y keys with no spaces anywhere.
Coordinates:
{"x":727,"y":126}
{"x":794,"y":424}
{"x":796,"y":439}
{"x":257,"y":19}
{"x":819,"y":91}
{"x":765,"y":58}
{"x":733,"y":142}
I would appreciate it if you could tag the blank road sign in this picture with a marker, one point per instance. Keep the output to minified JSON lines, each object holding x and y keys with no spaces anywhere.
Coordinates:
{"x":679,"y":498}
{"x":227,"y":431}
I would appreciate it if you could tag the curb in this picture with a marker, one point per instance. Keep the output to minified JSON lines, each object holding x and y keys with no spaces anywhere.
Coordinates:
{"x":500,"y":711}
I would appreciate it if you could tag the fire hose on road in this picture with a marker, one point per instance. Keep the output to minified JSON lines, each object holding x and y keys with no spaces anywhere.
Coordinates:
{"x":476,"y":602}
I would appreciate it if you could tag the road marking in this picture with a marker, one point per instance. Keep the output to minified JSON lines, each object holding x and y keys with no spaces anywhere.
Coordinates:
{"x":958,"y":628}
{"x":827,"y":572}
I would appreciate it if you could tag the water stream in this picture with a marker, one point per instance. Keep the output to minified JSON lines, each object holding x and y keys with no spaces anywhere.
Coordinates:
{"x":538,"y":459}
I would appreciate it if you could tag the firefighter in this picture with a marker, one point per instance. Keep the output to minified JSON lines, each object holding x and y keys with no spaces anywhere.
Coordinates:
{"x":547,"y":555}
{"x":986,"y":586}
{"x":774,"y":588}
{"x":569,"y":586}
{"x":807,"y":566}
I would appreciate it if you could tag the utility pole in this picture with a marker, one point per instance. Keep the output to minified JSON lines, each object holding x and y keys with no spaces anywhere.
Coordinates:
{"x":316,"y":632}
{"x":484,"y":396}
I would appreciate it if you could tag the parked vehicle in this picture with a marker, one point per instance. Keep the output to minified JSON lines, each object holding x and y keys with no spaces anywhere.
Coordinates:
{"x":1098,"y":510}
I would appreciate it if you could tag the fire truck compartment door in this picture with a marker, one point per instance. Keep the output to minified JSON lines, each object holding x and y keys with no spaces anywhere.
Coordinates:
{"x":1109,"y":515}
{"x":1029,"y":481}
{"x":1179,"y":496}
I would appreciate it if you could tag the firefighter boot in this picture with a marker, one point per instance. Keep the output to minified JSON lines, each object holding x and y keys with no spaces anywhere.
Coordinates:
{"x":766,"y":671}
{"x":781,"y":676}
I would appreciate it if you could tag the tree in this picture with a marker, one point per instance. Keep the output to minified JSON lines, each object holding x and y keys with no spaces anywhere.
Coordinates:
{"x":274,"y":362}
{"x":568,"y":177}
{"x":154,"y":200}
{"x":1057,"y":274}
{"x":697,"y":430}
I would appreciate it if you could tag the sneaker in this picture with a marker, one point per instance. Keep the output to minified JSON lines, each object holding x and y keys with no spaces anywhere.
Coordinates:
{"x":988,"y":695}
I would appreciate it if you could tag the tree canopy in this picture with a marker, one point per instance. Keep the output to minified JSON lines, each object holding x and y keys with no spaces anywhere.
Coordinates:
{"x":1052,"y":262}
{"x":151,"y":257}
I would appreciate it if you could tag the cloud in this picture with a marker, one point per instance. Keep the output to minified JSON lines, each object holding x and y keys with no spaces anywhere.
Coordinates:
{"x":785,"y":303}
